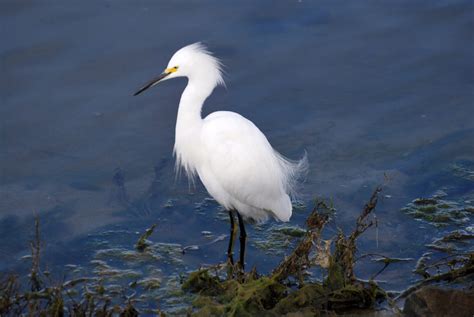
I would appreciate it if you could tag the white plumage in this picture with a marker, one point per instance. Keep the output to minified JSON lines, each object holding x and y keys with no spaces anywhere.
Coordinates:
{"x":231,"y":156}
{"x":242,"y":171}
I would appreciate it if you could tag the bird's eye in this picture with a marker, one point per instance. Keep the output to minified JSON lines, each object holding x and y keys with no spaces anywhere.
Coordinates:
{"x":171,"y":70}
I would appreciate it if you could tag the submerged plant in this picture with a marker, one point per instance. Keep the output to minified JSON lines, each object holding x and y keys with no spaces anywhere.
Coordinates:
{"x":124,"y":281}
{"x":142,"y":243}
{"x":439,"y":211}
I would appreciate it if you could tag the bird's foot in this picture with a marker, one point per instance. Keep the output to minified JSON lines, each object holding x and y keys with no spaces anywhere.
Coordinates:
{"x":230,"y":268}
{"x":239,"y":272}
{"x":235,"y":271}
{"x":241,"y":267}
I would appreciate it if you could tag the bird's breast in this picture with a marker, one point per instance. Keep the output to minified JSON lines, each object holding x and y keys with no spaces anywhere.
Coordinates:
{"x":188,"y":153}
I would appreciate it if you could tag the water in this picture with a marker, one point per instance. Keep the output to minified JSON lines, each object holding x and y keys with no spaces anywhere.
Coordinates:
{"x":371,"y":91}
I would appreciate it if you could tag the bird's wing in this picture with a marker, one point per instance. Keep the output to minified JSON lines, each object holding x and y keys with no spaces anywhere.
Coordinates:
{"x":244,"y":163}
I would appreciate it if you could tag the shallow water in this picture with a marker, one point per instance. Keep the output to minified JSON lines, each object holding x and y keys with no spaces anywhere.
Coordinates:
{"x":375,"y":93}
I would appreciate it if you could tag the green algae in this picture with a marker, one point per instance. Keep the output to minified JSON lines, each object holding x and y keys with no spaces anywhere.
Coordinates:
{"x":438,"y":211}
{"x":168,"y":253}
{"x":150,"y":283}
{"x":232,"y":298}
{"x":202,"y":282}
{"x":315,"y":298}
{"x":291,"y":231}
{"x":267,"y":296}
{"x":278,"y":238}
{"x":299,"y":206}
{"x":113,"y":274}
{"x":143,"y":243}
{"x":454,"y":241}
{"x":309,"y":298}
{"x":173,"y":297}
{"x":247,"y":294}
{"x":288,"y":290}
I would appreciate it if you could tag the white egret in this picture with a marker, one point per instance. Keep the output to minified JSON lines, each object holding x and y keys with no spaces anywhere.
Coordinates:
{"x":232,"y":157}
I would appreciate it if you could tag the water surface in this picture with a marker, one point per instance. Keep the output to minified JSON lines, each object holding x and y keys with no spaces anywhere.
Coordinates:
{"x":374,"y":92}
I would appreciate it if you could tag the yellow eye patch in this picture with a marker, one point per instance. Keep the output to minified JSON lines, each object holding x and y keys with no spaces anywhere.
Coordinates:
{"x":171,"y":70}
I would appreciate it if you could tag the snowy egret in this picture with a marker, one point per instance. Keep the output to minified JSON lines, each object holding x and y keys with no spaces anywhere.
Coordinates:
{"x":232,"y":157}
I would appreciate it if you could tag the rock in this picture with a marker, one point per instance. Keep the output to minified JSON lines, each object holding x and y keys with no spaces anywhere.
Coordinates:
{"x":436,"y":301}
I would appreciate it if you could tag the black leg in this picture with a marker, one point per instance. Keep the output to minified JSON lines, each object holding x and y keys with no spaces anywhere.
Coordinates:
{"x":243,"y":237}
{"x":231,"y":239}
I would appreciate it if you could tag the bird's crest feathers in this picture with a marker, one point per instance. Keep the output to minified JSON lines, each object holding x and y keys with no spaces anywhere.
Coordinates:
{"x":213,"y":65}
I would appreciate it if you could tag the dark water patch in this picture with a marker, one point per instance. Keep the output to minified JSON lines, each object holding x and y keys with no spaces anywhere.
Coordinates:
{"x":84,"y":185}
{"x":33,"y":55}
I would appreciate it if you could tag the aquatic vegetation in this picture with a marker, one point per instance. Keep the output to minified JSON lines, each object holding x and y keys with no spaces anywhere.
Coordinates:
{"x":439,"y":211}
{"x":105,"y":291}
{"x":150,"y":283}
{"x":241,"y":299}
{"x":201,"y":281}
{"x":449,"y":265}
{"x":125,"y":281}
{"x":167,"y":253}
{"x":142,"y":243}
{"x":299,"y":206}
{"x":277,"y":238}
{"x":213,"y":239}
{"x":248,"y":294}
{"x":454,"y":241}
{"x":447,"y":269}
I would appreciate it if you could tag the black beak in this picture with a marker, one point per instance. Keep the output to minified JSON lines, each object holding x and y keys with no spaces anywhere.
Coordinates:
{"x":151,"y":83}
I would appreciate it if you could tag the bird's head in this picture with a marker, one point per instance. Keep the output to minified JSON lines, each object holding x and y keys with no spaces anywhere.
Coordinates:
{"x":194,"y":62}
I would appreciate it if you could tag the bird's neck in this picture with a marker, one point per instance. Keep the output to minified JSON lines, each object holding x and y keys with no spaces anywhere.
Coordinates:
{"x":190,"y":105}
{"x":189,"y":124}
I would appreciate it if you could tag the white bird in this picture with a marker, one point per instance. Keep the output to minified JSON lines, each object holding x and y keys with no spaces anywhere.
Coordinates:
{"x":232,"y":157}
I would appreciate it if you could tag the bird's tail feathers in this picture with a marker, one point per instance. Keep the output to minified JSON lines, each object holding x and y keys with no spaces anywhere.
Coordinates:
{"x":294,"y":173}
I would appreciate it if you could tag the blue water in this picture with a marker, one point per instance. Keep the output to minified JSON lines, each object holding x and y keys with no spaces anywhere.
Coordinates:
{"x":370,"y":90}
